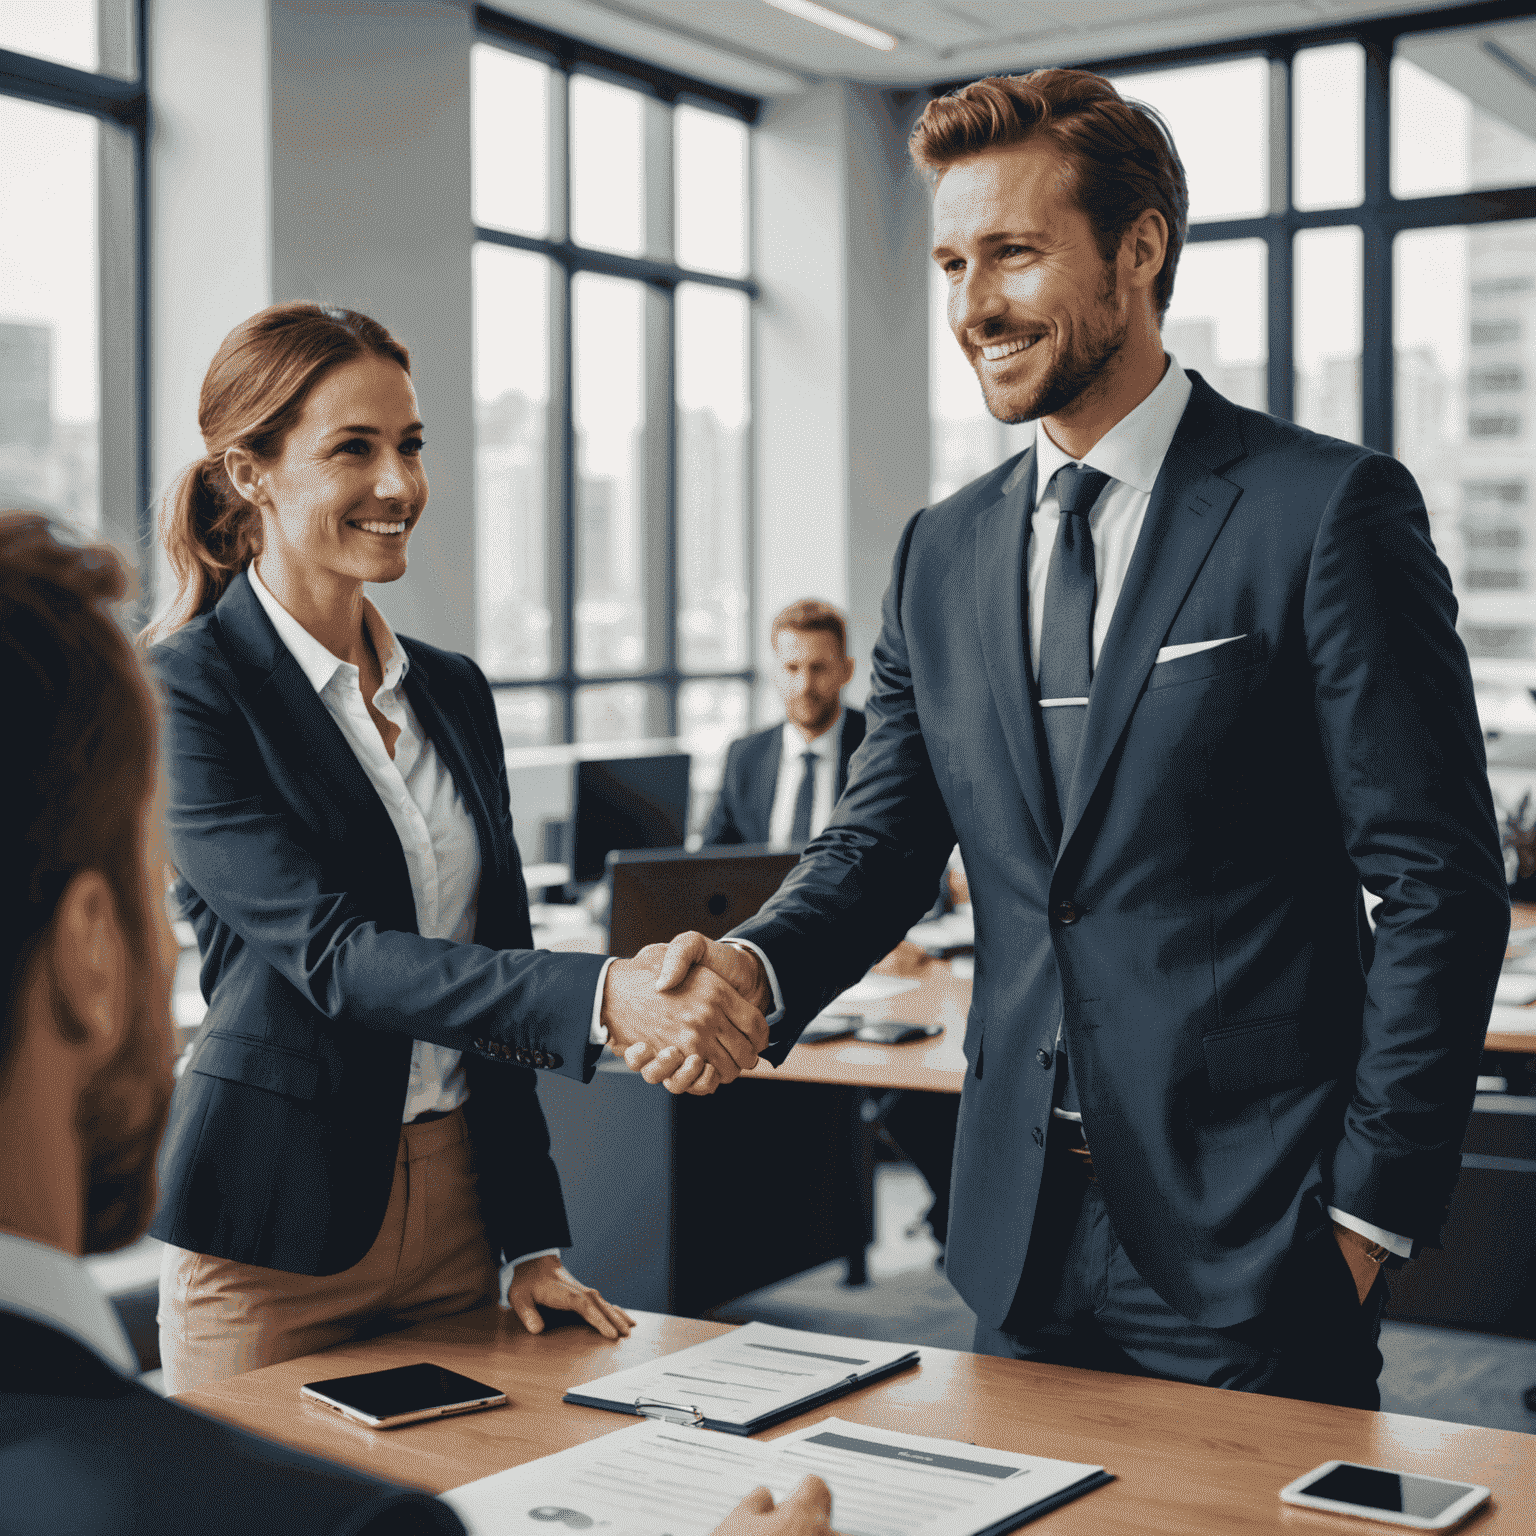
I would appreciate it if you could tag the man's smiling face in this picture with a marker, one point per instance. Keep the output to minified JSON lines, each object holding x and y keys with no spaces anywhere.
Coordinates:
{"x":1038,"y":312}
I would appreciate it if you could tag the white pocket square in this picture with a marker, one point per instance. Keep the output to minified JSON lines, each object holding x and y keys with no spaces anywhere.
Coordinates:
{"x":1173,"y":652}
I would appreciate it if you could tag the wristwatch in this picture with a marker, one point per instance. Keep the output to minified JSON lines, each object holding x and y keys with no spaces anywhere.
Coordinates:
{"x":1377,"y":1253}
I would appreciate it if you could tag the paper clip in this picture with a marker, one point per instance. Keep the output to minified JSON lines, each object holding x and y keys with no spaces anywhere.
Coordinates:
{"x":673,"y":1413}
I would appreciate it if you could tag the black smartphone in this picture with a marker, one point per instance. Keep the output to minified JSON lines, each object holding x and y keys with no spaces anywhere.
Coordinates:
{"x":1401,"y":1498}
{"x":829,"y":1026}
{"x":895,"y":1031}
{"x":384,"y":1399}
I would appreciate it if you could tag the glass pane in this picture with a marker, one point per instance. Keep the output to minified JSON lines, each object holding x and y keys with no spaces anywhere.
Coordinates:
{"x":1327,"y":331}
{"x":1465,"y":313}
{"x":527,"y":718}
{"x":49,"y":359}
{"x":712,"y":424}
{"x":607,"y":166}
{"x":1462,"y":113}
{"x":617,"y":712}
{"x":965,"y":439}
{"x":609,"y":426}
{"x":712,"y":713}
{"x":711,"y":188}
{"x":62,"y":30}
{"x":1328,"y":100}
{"x":512,"y":557}
{"x":1219,"y":116}
{"x":511,"y":144}
{"x":1217,"y":322}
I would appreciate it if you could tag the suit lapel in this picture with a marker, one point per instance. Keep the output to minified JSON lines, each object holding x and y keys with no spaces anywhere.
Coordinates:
{"x":1188,"y":507}
{"x":766,"y":782}
{"x":1002,"y":542}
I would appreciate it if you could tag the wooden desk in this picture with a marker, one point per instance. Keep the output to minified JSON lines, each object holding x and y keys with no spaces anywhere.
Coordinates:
{"x":1188,"y":1460}
{"x":1522,"y":916}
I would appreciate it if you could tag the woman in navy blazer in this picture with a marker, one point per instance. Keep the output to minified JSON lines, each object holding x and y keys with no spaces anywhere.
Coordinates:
{"x":299,"y":1206}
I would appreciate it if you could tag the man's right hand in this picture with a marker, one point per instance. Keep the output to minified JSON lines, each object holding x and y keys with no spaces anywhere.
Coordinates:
{"x":700,"y":1018}
{"x":806,"y":1512}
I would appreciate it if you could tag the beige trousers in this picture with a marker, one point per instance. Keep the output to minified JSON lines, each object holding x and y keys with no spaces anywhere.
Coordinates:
{"x":430,"y":1259}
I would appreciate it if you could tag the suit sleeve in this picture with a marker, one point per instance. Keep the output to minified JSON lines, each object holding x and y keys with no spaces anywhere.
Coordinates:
{"x":237,"y":846}
{"x":721,"y":828}
{"x":1403,"y":748}
{"x":871,"y":874}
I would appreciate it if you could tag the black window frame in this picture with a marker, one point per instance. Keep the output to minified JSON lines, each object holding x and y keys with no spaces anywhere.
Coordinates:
{"x":123,"y":424}
{"x":1379,"y":216}
{"x":570,"y":56}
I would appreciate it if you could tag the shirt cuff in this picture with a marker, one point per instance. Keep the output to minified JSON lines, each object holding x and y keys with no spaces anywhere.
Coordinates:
{"x":768,"y":971}
{"x":1400,"y":1247}
{"x":506,"y":1269}
{"x":597,"y":1031}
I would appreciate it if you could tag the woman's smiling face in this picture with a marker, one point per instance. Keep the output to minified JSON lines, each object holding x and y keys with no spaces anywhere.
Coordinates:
{"x":348,"y":487}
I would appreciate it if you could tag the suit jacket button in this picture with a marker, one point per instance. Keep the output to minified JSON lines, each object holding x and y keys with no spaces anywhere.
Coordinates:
{"x":1043,"y":1057}
{"x":1039,"y":1136}
{"x":479,"y":1045}
{"x":553,"y":1062}
{"x":1067,"y":912}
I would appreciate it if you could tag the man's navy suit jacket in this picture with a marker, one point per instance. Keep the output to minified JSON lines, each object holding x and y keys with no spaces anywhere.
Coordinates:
{"x":1246,"y":1051}
{"x":284,"y":1125}
{"x":85,"y":1449}
{"x":744,"y":808}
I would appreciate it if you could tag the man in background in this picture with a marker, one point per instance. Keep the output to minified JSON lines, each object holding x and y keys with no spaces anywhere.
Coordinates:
{"x":781,"y":783}
{"x":85,"y":1082}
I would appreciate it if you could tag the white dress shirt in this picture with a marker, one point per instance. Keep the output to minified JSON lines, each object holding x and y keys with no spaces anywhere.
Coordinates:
{"x":55,"y":1288}
{"x":1131,"y":453}
{"x":436,"y":832}
{"x":791,"y":770}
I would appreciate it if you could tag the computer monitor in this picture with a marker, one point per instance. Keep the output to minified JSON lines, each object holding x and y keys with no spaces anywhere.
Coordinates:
{"x":653,"y":896}
{"x":626,"y":802}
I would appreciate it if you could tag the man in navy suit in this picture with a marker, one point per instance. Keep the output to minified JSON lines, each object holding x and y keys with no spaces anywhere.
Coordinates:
{"x":780,"y":784}
{"x":1182,"y":679}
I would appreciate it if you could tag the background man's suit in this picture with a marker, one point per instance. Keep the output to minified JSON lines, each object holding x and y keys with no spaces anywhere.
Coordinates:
{"x":1246,"y":1053}
{"x":745,"y":803}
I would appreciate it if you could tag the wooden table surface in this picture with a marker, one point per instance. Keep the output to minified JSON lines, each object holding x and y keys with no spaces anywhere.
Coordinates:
{"x":1187,"y":1460}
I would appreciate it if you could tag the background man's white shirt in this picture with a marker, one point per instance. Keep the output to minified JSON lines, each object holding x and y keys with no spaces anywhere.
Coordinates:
{"x":792,"y":768}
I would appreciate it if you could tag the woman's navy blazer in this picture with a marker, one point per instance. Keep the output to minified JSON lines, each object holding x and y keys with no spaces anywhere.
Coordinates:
{"x":284,"y":1125}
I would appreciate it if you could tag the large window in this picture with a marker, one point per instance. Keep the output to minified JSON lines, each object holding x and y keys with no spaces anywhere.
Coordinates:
{"x":1362,"y":259}
{"x":72,"y":117}
{"x":612,"y":392}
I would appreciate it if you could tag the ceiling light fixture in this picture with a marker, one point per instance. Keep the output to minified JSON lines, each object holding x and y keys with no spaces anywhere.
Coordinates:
{"x":835,"y":21}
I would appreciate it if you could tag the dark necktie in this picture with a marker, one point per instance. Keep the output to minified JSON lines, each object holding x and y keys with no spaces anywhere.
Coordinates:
{"x":800,"y":828}
{"x":1066,"y":661}
{"x":1066,"y":629}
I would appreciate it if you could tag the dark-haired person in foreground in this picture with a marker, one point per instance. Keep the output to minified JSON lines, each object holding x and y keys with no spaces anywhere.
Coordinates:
{"x":85,"y":1079}
{"x":1182,"y":678}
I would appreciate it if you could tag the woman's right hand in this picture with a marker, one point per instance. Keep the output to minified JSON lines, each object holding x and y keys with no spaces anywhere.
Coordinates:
{"x":806,"y":1512}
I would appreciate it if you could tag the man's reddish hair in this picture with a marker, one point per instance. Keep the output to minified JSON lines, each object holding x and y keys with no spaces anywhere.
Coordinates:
{"x":809,"y":615}
{"x":1119,"y":155}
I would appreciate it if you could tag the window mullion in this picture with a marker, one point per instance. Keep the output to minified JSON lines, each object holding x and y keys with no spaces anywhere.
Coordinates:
{"x":1376,"y":359}
{"x":1280,"y":393}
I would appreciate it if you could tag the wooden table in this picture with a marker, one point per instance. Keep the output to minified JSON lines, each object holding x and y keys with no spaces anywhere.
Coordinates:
{"x":1522,"y":916}
{"x":1187,"y":1460}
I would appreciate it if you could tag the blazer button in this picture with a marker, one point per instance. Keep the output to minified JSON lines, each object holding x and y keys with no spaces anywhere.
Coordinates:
{"x":479,"y":1045}
{"x":1043,"y":1057}
{"x":1067,"y":912}
{"x":553,"y":1062}
{"x":1039,"y":1136}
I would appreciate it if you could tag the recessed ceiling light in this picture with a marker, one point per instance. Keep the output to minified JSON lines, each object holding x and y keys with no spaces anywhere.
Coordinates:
{"x":835,"y":21}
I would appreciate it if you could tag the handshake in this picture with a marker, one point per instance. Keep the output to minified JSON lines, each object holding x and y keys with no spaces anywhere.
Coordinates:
{"x":690,"y":1014}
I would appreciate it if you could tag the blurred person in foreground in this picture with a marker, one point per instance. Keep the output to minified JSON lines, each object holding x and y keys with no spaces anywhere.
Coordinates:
{"x":1181,"y":678}
{"x":85,"y":1081}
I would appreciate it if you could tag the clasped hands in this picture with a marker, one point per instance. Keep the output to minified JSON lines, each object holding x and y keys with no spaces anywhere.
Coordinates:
{"x":690,"y":1014}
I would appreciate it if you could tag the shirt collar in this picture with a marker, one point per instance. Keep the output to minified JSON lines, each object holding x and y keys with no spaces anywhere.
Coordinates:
{"x":55,"y":1288}
{"x":1133,"y":450}
{"x":825,"y":745}
{"x":317,"y":663}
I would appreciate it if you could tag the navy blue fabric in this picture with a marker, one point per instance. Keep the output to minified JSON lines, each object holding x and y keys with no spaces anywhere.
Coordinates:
{"x":744,"y":807}
{"x":83,"y":1449}
{"x":1243,"y":1048}
{"x":283,"y":1128}
{"x":805,"y":799}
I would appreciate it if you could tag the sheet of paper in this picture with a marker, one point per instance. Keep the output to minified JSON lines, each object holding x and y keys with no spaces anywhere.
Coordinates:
{"x":746,"y":1374}
{"x":1515,"y":990}
{"x":1513,"y":1021}
{"x":875,"y":989}
{"x":671,"y":1480}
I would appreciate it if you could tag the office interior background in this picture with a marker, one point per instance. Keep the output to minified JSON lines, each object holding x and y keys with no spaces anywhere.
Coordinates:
{"x":663,"y":270}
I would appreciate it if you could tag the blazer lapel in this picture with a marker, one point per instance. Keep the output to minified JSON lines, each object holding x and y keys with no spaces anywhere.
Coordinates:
{"x":1189,"y":504}
{"x":447,"y":738}
{"x":1002,"y":542}
{"x":765,"y":782}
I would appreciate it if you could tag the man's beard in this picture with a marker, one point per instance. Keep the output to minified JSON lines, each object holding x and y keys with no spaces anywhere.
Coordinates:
{"x":813,"y":719}
{"x":120,"y":1120}
{"x":1072,"y":374}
